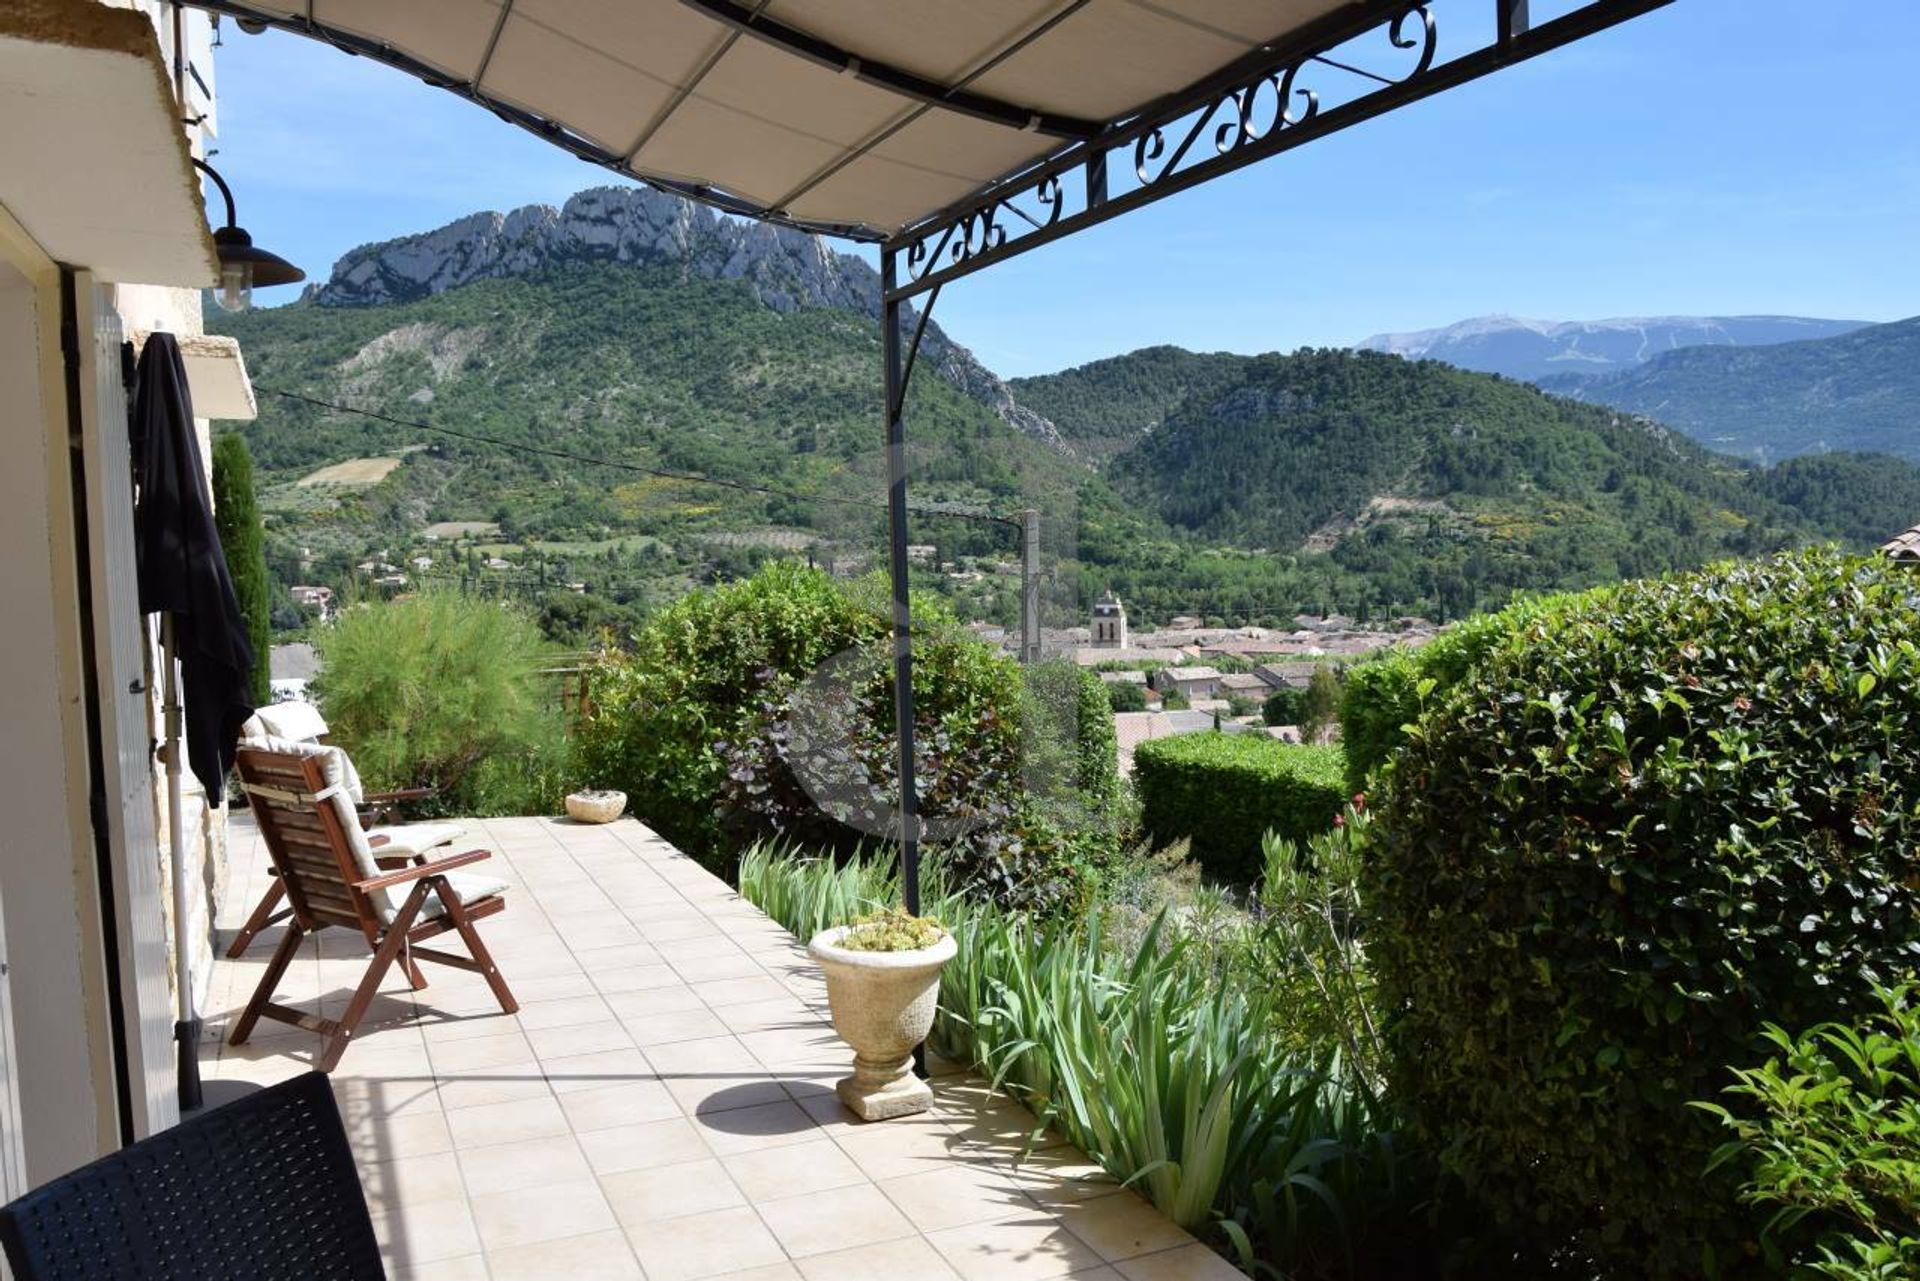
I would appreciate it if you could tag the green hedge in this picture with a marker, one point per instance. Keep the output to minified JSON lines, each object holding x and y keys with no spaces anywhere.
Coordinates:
{"x":1383,"y":695}
{"x":1225,"y":791}
{"x":1661,"y":816}
{"x":236,"y":518}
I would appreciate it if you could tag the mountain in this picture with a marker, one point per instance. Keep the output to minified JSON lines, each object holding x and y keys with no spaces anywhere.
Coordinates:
{"x":1102,"y":409}
{"x":595,"y":407}
{"x":1857,"y":391}
{"x":1534,"y":349}
{"x":784,"y":269}
{"x":1863,"y":499}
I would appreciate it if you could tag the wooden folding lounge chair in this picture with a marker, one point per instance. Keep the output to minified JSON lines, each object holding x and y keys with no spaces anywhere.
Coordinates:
{"x":273,"y":727}
{"x":332,"y":877}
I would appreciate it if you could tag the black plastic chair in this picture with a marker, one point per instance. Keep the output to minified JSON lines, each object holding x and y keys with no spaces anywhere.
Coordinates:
{"x":263,"y":1189}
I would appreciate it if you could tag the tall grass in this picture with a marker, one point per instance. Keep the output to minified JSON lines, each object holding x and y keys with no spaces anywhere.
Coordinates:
{"x":1181,"y":1084}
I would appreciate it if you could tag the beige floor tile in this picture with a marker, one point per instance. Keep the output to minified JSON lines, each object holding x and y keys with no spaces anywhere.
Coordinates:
{"x":426,"y":1232}
{"x":680,"y":1025}
{"x":597,"y":1071}
{"x":506,"y":1167}
{"x":771,"y":1173}
{"x":898,"y":1148}
{"x":704,"y":1245}
{"x":439,"y":1029}
{"x":833,"y":1219}
{"x":554,"y":1043}
{"x":1025,"y":1249}
{"x":637,"y":978}
{"x":390,"y":1138}
{"x":510,"y":1046}
{"x":671,"y":1191}
{"x":960,"y":1194}
{"x":750,"y":1129}
{"x":512,"y":1122}
{"x":722,"y":992}
{"x":390,"y":1185}
{"x":643,"y":1146}
{"x":508,"y":1083}
{"x":767,"y":1272}
{"x":1061,"y":1176}
{"x":563,"y":1013}
{"x":628,"y":1006}
{"x":703,"y":969}
{"x":628,"y":1103}
{"x":1188,"y":1263}
{"x":468,"y":1267}
{"x":782,"y":1013}
{"x":1122,"y":1226}
{"x":601,"y":1256}
{"x":550,"y":1212}
{"x":907,"y":1259}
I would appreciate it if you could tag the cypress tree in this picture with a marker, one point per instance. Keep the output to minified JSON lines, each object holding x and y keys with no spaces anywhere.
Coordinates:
{"x":236,"y":515}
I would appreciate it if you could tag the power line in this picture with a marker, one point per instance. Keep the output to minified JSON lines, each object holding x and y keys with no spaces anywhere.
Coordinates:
{"x":691,"y":478}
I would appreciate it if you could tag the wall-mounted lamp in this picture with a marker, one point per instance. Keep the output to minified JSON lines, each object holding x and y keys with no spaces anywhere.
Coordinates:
{"x":242,"y":266}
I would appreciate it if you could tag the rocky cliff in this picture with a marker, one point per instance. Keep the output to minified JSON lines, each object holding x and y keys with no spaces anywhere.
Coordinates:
{"x":786,"y":269}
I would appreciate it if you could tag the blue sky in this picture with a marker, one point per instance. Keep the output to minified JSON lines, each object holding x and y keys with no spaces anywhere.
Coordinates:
{"x":1715,"y":157}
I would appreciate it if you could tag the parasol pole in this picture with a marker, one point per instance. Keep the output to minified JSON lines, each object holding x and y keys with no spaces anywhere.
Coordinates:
{"x":186,"y":1028}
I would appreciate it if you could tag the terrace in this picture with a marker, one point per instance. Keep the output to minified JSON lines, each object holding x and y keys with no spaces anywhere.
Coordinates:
{"x":662,"y":1106}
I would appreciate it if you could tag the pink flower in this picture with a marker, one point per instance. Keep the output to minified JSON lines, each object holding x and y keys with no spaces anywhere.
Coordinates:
{"x":1339,"y":820}
{"x":1359,"y":800}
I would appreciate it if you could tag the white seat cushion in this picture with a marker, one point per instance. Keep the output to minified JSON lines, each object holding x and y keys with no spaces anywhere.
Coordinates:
{"x":470,"y":886}
{"x":408,"y":839}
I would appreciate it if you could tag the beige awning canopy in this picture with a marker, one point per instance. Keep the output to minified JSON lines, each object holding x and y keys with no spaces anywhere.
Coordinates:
{"x":862,"y":116}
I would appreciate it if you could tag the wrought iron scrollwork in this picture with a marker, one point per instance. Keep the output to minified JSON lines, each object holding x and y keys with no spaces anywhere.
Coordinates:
{"x":1303,"y":91}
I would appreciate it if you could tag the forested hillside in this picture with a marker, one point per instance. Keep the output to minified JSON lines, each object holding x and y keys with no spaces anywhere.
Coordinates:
{"x":1859,"y":391}
{"x":594,"y":408}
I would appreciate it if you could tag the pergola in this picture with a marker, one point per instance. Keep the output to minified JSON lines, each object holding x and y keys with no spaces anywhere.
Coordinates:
{"x":953,"y":135}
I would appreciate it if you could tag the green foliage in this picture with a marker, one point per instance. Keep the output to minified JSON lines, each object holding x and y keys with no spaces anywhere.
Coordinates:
{"x":698,"y":673}
{"x":1827,"y":1136}
{"x":1283,"y":706}
{"x":1383,"y":695}
{"x":892,"y":929}
{"x":1320,"y":704}
{"x":439,"y":690}
{"x":1174,"y":1077}
{"x":1125,"y":697}
{"x":1659,"y":815}
{"x":1071,"y":756}
{"x":1309,"y":941}
{"x":236,"y":518}
{"x":1864,"y":499}
{"x":1225,"y":792}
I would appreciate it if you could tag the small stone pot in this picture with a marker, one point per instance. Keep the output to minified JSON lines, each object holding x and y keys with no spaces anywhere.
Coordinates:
{"x":883,"y":1004}
{"x":596,"y":807}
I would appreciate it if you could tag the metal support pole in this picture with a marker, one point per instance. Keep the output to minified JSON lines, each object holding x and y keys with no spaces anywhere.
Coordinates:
{"x":1029,"y":586}
{"x":186,"y":1028}
{"x":890,"y":317}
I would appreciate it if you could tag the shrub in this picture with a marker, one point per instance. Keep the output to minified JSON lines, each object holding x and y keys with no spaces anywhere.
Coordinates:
{"x":1071,"y":757}
{"x":1828,"y":1137}
{"x":1383,"y":695}
{"x":1283,"y":706}
{"x":1225,"y":792}
{"x":1666,"y":812}
{"x":698,"y":671}
{"x":236,"y":518}
{"x":1320,"y":705}
{"x":1123,"y":696}
{"x":439,"y":690}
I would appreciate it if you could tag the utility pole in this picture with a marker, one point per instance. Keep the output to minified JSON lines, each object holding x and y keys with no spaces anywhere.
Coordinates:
{"x":1029,"y":586}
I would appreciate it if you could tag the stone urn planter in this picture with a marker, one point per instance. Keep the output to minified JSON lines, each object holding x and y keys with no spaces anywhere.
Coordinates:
{"x":596,"y":806}
{"x":883,"y":1004}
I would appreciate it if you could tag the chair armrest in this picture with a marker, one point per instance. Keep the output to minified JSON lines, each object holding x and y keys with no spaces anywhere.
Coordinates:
{"x":414,"y":873}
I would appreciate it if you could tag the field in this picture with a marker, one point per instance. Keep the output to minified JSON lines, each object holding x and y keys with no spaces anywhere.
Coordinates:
{"x":355,"y":473}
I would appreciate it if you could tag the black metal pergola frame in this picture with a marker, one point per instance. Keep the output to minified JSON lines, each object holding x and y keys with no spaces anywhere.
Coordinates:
{"x":1282,"y":95}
